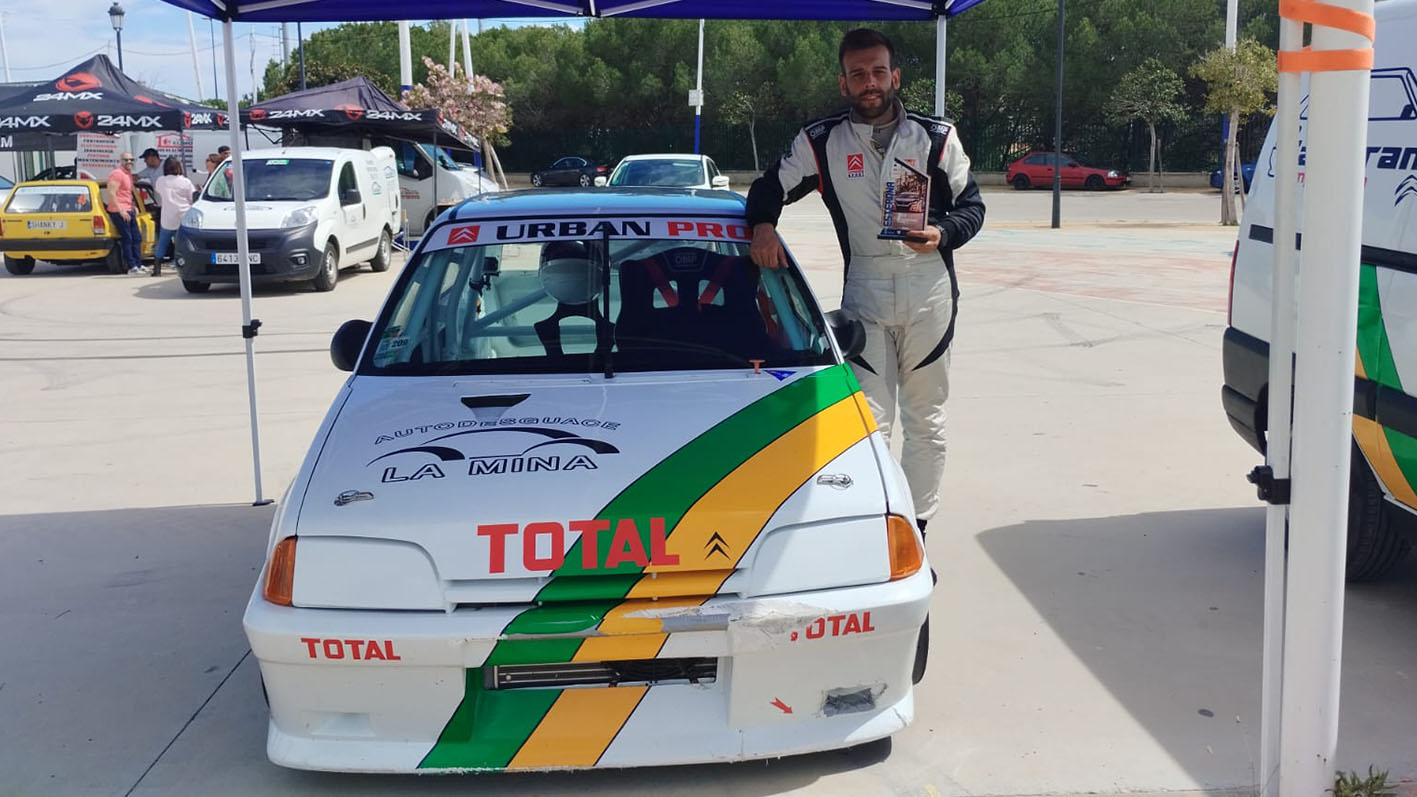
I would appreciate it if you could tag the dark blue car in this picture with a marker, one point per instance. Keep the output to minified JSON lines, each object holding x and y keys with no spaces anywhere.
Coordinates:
{"x":1247,"y":173}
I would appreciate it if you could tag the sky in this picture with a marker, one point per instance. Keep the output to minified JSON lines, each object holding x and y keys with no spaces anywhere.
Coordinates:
{"x":156,"y":47}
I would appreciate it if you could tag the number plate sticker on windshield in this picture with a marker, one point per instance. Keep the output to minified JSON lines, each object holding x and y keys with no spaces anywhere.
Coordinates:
{"x":44,"y":225}
{"x":230,"y":258}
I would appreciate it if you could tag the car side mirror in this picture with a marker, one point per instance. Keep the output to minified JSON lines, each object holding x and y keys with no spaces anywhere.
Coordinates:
{"x":601,"y":181}
{"x":347,"y":343}
{"x":350,"y":196}
{"x":720,"y":181}
{"x":849,"y":333}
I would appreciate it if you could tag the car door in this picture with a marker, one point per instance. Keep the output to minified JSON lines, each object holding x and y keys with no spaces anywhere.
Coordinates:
{"x":556,"y":175}
{"x":1074,"y":173}
{"x":1040,"y":169}
{"x":347,"y":194}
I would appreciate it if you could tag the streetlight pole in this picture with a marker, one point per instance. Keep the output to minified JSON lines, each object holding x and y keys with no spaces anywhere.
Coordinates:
{"x":697,"y":97}
{"x":115,"y":16}
{"x":1058,"y":129}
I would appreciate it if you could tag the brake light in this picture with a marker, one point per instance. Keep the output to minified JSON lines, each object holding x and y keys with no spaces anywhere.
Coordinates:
{"x":1230,"y":297}
{"x":906,"y":554}
{"x":602,"y":168}
{"x":100,"y":227}
{"x":280,"y":573}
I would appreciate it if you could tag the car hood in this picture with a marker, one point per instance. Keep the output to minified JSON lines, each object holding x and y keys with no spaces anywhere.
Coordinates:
{"x":495,"y":479}
{"x":262,"y":215}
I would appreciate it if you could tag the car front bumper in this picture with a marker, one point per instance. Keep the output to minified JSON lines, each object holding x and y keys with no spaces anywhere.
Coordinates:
{"x":286,"y":255}
{"x":794,"y":674}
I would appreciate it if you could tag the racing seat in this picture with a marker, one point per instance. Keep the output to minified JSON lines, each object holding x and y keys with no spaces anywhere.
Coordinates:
{"x":567,"y":276}
{"x":692,"y":296}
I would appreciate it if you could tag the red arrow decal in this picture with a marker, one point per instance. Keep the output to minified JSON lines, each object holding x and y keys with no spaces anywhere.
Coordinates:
{"x":781,"y":706}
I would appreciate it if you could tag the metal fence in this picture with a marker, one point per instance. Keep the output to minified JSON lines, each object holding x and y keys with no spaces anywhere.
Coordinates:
{"x":1192,"y":145}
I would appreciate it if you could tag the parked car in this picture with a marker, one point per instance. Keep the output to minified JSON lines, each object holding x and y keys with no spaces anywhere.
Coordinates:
{"x":598,"y":492}
{"x":55,"y":173}
{"x":1382,"y":482}
{"x":64,"y":222}
{"x":1036,"y":169}
{"x":667,"y":170}
{"x":570,"y":170}
{"x":309,"y":211}
{"x":1247,"y":173}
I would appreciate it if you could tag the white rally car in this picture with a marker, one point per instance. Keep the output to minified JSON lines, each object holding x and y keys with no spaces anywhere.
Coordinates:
{"x":598,"y":493}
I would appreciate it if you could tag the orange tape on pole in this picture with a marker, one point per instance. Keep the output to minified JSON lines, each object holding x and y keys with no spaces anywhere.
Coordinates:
{"x":1325,"y":60}
{"x":1329,"y":16}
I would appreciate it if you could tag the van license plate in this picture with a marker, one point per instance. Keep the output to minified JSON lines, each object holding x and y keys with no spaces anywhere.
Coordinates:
{"x":45,"y":225}
{"x":229,"y":258}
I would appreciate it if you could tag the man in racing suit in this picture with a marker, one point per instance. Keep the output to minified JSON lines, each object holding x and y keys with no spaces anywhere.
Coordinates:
{"x":904,"y":292}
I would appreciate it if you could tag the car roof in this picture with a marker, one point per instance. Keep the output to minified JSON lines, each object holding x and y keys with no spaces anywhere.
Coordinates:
{"x":664,"y":156}
{"x":62,"y":182}
{"x":601,"y":202}
{"x":329,"y":153}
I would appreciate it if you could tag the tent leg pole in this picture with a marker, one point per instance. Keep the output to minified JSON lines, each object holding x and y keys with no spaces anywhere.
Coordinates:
{"x":243,"y":254}
{"x":1336,"y":137}
{"x":940,"y":40}
{"x":1281,"y":376}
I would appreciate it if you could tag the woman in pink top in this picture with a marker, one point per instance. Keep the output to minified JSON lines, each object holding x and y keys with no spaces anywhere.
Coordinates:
{"x":175,"y":192}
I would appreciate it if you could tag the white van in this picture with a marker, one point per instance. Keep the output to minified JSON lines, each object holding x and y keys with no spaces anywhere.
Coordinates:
{"x":309,"y":211}
{"x":456,"y":182}
{"x":1382,"y":520}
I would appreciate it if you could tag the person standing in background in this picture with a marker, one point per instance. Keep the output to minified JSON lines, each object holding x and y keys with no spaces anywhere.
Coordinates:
{"x":175,"y":192}
{"x":152,"y":167}
{"x":124,"y":214}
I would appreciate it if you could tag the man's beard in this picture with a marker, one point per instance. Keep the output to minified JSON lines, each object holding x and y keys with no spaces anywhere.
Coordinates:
{"x":868,"y":113}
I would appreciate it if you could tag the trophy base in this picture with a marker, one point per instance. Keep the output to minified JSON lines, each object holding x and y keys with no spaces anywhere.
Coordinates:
{"x":892,"y":234}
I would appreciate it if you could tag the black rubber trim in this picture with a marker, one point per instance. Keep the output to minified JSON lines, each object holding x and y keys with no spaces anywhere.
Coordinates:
{"x":55,"y":245}
{"x":1396,"y":410}
{"x":1371,"y":255}
{"x":1245,"y":361}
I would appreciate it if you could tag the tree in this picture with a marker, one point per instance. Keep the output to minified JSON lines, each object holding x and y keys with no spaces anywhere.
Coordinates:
{"x":478,"y":104}
{"x":1151,"y":93}
{"x":1239,"y":82}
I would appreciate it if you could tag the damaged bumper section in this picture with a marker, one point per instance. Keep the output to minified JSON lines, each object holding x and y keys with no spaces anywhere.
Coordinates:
{"x":588,"y":684}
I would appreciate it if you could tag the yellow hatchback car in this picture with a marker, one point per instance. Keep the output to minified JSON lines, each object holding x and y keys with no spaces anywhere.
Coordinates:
{"x":64,"y":222}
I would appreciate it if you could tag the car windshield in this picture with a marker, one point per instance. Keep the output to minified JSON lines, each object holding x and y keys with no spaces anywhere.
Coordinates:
{"x":594,"y":295}
{"x":275,"y":179}
{"x":442,"y":156}
{"x":678,"y":172}
{"x":50,"y":199}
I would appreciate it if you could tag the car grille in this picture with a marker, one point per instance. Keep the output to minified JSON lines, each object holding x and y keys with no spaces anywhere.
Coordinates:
{"x":229,"y":269}
{"x":228,"y":244}
{"x":601,"y":673}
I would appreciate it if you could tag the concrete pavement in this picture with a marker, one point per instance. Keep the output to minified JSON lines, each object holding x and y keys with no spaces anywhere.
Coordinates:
{"x":1096,"y":628}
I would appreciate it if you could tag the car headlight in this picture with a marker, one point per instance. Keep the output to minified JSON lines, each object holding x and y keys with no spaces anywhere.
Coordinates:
{"x":301,"y":217}
{"x":193,"y":219}
{"x":1112,"y":173}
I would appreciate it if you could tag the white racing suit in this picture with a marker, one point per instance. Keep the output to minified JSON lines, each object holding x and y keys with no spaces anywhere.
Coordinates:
{"x":905,"y":300}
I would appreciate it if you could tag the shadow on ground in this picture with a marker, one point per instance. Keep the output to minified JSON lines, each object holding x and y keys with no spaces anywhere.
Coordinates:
{"x":1166,"y":610}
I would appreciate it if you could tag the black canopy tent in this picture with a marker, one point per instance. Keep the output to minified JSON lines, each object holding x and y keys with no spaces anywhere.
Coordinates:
{"x":357,"y":106}
{"x":95,"y":97}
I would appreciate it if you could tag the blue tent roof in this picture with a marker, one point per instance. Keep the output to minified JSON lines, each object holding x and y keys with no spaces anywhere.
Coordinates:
{"x":370,"y":10}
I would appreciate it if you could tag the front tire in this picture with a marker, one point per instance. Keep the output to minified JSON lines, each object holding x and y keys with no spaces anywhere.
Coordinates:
{"x":536,"y":180}
{"x":19,"y":266}
{"x":1094,"y":183}
{"x":329,"y":270}
{"x":194,"y":286}
{"x":922,"y":653}
{"x":384,"y":254}
{"x":1021,"y":182}
{"x":1375,"y":544}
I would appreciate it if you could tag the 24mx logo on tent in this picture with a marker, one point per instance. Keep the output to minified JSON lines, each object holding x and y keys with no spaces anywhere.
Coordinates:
{"x":78,"y":81}
{"x":257,"y":114}
{"x":353,"y":112}
{"x":83,"y":120}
